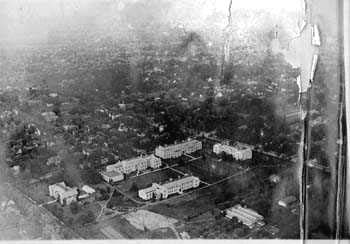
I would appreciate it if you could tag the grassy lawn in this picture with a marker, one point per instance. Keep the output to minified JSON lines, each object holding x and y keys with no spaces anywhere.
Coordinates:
{"x":38,"y":191}
{"x":210,"y":169}
{"x":120,"y":202}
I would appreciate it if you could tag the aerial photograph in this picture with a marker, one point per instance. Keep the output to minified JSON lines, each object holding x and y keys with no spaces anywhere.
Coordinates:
{"x":173,"y":119}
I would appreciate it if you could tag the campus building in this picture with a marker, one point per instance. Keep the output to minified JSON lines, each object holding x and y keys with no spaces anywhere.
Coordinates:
{"x":114,"y":172}
{"x":238,"y":151}
{"x":179,"y":149}
{"x":112,"y":176}
{"x":246,"y":216}
{"x":147,"y":193}
{"x":63,"y":193}
{"x":171,"y":187}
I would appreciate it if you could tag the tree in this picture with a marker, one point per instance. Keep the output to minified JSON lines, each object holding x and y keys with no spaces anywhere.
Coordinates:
{"x":74,"y":207}
{"x":91,"y":177}
{"x":59,"y":212}
{"x":24,"y":143}
{"x":102,"y":194}
{"x":86,"y":218}
{"x":134,"y":187}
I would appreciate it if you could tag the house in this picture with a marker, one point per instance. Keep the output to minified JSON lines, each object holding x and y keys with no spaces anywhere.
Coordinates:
{"x":274,"y":178}
{"x":238,"y":151}
{"x":86,"y":193}
{"x":63,"y":193}
{"x":179,"y":149}
{"x":287,"y":201}
{"x":171,"y":187}
{"x":49,"y":116}
{"x":88,"y":189}
{"x":246,"y":216}
{"x":55,"y":160}
{"x":16,"y":169}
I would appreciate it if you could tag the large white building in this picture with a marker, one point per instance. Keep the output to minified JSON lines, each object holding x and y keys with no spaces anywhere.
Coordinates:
{"x":246,"y":216}
{"x":112,"y":176}
{"x":171,"y":187}
{"x":177,"y":150}
{"x":147,"y":193}
{"x":114,"y":172}
{"x":63,"y":193}
{"x":238,"y":151}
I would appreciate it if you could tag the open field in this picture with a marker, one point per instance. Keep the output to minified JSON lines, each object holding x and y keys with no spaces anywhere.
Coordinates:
{"x":121,"y":203}
{"x":201,"y":210}
{"x":85,"y":214}
{"x":210,"y":169}
{"x":38,"y":191}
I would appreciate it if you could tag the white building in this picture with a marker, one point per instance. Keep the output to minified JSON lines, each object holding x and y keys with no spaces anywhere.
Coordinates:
{"x":287,"y":201}
{"x":118,"y":167}
{"x":112,"y":176}
{"x":114,"y":172}
{"x":63,"y":193}
{"x":86,"y":192}
{"x":246,"y":216}
{"x":169,"y":188}
{"x":177,"y":150}
{"x":49,"y":116}
{"x":147,"y":193}
{"x":238,"y":151}
{"x":88,"y":189}
{"x":135,"y":164}
{"x":141,"y":163}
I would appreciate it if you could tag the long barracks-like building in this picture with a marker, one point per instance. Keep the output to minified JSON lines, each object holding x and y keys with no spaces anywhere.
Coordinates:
{"x":171,"y":187}
{"x":238,"y":151}
{"x":130,"y":165}
{"x":179,"y":149}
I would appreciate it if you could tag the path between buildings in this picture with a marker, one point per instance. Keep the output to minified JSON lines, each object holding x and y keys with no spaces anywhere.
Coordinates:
{"x":104,"y":205}
{"x":156,"y":170}
{"x":47,"y":203}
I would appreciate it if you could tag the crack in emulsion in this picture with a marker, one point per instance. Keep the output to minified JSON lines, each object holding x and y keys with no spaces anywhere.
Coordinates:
{"x":226,"y":41}
{"x":305,"y":143}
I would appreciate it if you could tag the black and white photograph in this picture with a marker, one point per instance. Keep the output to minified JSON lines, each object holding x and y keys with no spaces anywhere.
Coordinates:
{"x":174,"y":120}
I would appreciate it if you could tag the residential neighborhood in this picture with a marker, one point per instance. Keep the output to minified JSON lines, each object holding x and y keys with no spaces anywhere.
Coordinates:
{"x":159,"y":119}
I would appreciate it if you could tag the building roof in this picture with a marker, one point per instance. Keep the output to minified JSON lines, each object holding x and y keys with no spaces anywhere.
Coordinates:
{"x":189,"y":141}
{"x":64,"y":189}
{"x":236,"y":145}
{"x":88,"y":189}
{"x":247,"y":216}
{"x":148,"y":189}
{"x":110,"y":173}
{"x":287,"y":200}
{"x":62,"y":186}
{"x":179,"y":181}
{"x":116,"y":165}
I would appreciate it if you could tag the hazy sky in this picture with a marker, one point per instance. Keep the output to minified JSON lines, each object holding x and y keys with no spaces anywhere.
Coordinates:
{"x":22,"y":20}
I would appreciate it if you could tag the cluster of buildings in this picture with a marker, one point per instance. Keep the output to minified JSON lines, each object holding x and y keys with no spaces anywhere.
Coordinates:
{"x":115,"y":172}
{"x":246,"y":216}
{"x":66,"y":195}
{"x":179,"y":149}
{"x":160,"y":191}
{"x":238,"y":151}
